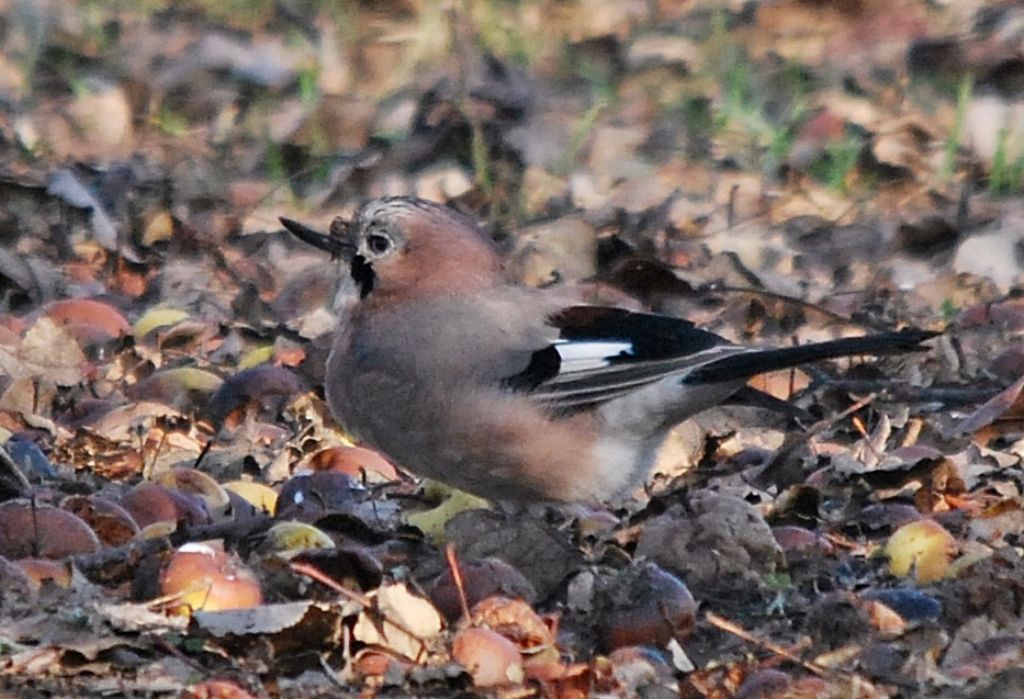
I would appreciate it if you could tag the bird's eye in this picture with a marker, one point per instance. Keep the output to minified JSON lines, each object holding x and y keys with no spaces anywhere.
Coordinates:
{"x":378,"y":244}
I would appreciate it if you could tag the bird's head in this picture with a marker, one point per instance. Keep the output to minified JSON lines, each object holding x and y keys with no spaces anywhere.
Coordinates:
{"x":400,"y":247}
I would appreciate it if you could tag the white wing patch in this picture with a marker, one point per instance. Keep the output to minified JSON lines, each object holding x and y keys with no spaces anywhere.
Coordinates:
{"x":589,"y":355}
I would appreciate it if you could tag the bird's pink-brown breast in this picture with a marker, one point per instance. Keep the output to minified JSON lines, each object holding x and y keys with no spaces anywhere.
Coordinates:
{"x":444,"y":414}
{"x":499,"y":445}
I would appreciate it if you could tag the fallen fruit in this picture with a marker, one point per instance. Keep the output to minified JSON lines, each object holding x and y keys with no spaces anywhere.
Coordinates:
{"x":285,"y":537}
{"x":924,"y":547}
{"x":149,"y":502}
{"x":354,"y":461}
{"x":647,"y":605}
{"x":490,"y":658}
{"x":262,"y":497}
{"x":480,"y":579}
{"x":41,"y":570}
{"x":43,"y":531}
{"x":112,"y":523}
{"x":202,"y":576}
{"x":198,"y":484}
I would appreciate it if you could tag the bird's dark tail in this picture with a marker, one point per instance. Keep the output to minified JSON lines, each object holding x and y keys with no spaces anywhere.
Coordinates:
{"x":749,"y":364}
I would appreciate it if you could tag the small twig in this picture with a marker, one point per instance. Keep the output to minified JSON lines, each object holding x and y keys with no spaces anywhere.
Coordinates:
{"x":202,"y":454}
{"x":822,"y":425}
{"x":346,"y":653}
{"x":730,"y":210}
{"x":318,"y":575}
{"x":868,"y":443}
{"x":453,"y":564}
{"x":232,"y":529}
{"x":166,"y":601}
{"x":156,"y":452}
{"x":135,"y":549}
{"x":737,"y":630}
{"x":142,"y":449}
{"x":35,"y":525}
{"x":333,"y":674}
{"x":366,"y":602}
{"x":18,"y":480}
{"x":914,"y":427}
{"x":171,"y":649}
{"x":784,"y":298}
{"x":771,"y":469}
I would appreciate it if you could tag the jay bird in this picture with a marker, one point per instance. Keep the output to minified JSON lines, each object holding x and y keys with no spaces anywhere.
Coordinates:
{"x":514,"y":393}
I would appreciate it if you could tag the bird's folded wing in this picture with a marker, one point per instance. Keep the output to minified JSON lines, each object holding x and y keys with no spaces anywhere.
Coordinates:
{"x":603,"y":353}
{"x":572,"y":389}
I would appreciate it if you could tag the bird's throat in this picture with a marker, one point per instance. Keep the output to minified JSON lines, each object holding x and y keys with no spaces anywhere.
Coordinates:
{"x":363,"y":275}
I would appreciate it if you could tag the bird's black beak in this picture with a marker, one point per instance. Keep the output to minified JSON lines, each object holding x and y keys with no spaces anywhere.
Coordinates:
{"x":336,"y":246}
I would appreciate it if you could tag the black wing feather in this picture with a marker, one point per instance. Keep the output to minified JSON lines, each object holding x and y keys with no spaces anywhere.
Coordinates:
{"x":661,"y":346}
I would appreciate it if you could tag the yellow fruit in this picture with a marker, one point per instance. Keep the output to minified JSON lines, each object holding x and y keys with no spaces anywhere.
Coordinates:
{"x":157,"y":318}
{"x":295,"y":536}
{"x":924,"y":547}
{"x":260,"y":496}
{"x":256,"y":357}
